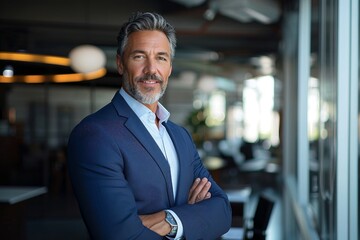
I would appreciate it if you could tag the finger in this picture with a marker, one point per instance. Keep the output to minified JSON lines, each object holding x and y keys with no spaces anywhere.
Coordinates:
{"x":208,"y":195}
{"x":199,"y":192}
{"x":203,"y":192}
{"x":199,"y":186}
{"x":195,"y":184}
{"x":193,"y":187}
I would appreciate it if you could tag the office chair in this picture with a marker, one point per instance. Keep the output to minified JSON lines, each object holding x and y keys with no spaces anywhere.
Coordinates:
{"x":255,"y":228}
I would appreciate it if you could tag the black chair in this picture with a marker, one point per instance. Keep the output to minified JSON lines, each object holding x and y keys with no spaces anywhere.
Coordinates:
{"x":255,"y":228}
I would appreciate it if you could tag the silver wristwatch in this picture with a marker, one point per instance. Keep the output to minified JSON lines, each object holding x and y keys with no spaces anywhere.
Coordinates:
{"x":173,"y":224}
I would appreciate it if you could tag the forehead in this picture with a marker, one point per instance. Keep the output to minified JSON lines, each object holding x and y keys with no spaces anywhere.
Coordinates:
{"x":149,"y":39}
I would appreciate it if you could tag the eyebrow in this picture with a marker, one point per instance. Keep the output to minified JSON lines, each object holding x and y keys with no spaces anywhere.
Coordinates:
{"x":144,"y":52}
{"x":164,"y":53}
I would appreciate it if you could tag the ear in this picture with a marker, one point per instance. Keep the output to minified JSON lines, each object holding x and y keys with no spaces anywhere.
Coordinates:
{"x":119,"y":64}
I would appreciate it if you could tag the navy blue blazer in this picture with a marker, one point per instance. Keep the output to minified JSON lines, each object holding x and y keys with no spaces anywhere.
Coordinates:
{"x":118,"y":172}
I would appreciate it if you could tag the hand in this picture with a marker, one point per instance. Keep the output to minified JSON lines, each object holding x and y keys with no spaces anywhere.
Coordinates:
{"x":199,"y":191}
{"x":156,"y":222}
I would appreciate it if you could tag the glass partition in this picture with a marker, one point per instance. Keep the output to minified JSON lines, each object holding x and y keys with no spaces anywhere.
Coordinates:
{"x":39,"y":120}
{"x":322,"y":117}
{"x":331,"y":103}
{"x":358,"y":137}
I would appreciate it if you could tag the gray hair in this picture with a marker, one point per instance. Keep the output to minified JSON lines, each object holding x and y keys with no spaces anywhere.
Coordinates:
{"x":146,"y":21}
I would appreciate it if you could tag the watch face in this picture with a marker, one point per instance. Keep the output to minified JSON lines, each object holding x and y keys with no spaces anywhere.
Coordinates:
{"x":170,"y":219}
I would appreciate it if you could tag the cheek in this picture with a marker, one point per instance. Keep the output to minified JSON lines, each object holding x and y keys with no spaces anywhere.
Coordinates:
{"x":170,"y":70}
{"x":134,"y":71}
{"x":166,"y":72}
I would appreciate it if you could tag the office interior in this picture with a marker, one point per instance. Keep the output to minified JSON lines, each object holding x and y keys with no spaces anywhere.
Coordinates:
{"x":269,"y":90}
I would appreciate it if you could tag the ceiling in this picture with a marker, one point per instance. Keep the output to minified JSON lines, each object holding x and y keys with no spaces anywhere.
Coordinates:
{"x":214,"y":36}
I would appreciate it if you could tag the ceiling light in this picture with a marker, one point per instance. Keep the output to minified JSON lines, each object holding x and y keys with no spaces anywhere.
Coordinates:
{"x":190,"y":3}
{"x":27,"y":57}
{"x":87,"y":58}
{"x":264,"y":11}
{"x":8,"y":71}
{"x":93,"y":70}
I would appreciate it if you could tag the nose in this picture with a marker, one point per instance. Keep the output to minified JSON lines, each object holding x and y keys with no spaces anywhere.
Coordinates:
{"x":150,"y":67}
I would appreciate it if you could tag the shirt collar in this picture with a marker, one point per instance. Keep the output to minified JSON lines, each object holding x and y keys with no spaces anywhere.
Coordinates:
{"x":140,"y":109}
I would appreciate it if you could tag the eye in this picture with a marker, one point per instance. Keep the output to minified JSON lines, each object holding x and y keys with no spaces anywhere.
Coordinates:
{"x":162,"y":58}
{"x":138,"y":56}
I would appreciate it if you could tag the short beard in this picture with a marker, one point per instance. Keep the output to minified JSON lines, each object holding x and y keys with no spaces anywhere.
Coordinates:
{"x":144,"y":98}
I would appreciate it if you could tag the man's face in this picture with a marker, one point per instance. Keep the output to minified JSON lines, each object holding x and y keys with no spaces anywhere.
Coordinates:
{"x":146,"y":66}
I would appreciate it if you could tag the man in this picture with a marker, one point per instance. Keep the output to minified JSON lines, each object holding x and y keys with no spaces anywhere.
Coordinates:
{"x":137,"y":175}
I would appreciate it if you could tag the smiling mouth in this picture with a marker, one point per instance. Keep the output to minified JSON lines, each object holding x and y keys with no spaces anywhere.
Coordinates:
{"x":150,"y":81}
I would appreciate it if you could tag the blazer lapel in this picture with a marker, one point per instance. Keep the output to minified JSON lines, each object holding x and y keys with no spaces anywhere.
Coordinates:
{"x":136,"y":127}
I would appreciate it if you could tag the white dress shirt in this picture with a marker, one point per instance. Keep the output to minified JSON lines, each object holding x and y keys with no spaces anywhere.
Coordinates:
{"x":161,"y":137}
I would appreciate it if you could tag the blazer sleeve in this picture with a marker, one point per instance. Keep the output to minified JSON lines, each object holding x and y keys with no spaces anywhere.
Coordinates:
{"x":106,"y":202}
{"x":210,"y":218}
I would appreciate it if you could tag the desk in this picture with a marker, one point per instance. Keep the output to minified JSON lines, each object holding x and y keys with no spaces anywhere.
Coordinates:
{"x":241,"y":195}
{"x":12,"y":209}
{"x":12,"y":195}
{"x":235,"y":233}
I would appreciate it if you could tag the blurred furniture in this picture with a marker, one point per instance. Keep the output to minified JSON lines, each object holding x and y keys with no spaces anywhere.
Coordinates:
{"x":247,"y":160}
{"x":13,"y":194}
{"x":10,"y":161}
{"x":238,"y":199}
{"x":12,"y":209}
{"x":214,"y":165}
{"x":254,"y":228}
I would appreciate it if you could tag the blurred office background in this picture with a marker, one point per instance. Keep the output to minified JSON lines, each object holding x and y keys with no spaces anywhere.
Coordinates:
{"x":268,"y":89}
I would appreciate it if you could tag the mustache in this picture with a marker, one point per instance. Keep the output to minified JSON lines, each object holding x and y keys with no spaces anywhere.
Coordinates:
{"x":150,"y":77}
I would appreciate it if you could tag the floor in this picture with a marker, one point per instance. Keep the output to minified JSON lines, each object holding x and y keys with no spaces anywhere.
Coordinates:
{"x":56,"y":216}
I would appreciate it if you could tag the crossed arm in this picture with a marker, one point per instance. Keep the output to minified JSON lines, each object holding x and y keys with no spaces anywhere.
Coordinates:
{"x":156,"y":221}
